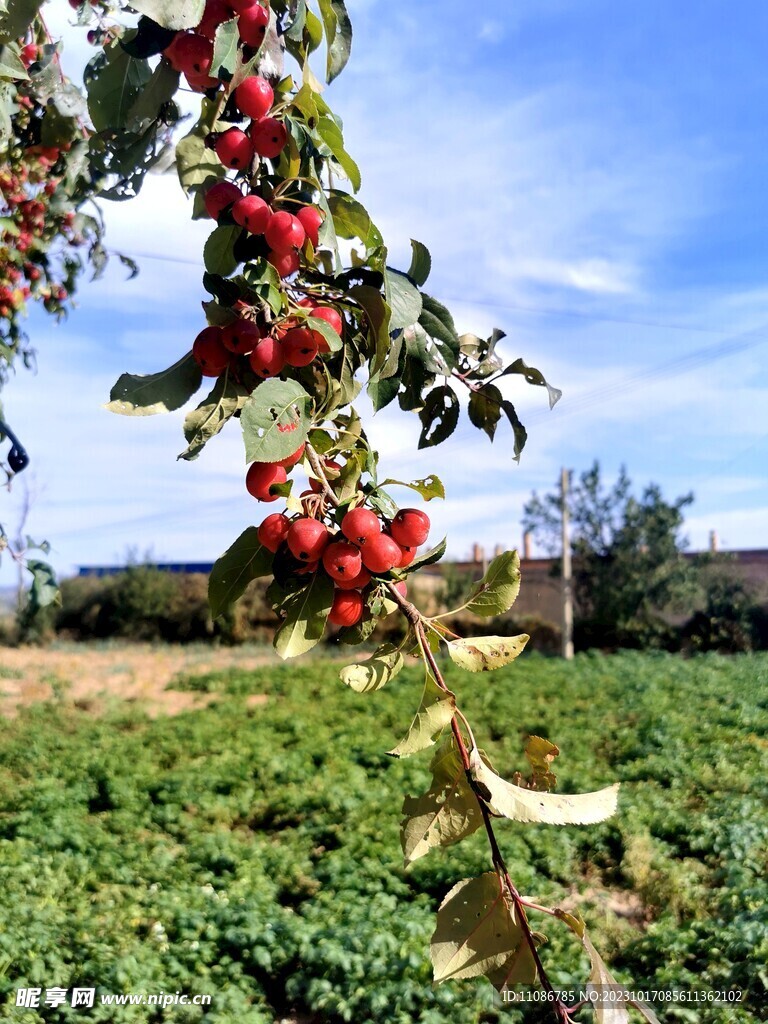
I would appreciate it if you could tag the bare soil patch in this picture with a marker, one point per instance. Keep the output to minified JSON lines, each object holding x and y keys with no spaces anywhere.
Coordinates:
{"x":93,"y":678}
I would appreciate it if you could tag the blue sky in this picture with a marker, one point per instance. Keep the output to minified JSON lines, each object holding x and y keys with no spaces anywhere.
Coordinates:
{"x":590,"y":177}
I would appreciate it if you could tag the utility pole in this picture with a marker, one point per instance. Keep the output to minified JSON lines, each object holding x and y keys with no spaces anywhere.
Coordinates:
{"x":567,"y":631}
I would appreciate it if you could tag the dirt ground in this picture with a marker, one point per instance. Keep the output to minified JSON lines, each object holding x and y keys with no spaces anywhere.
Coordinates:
{"x":95,"y":677}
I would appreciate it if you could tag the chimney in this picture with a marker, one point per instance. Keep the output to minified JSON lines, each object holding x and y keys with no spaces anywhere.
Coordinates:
{"x":527,"y":545}
{"x":478,"y":555}
{"x":498,"y":550}
{"x":713,"y":541}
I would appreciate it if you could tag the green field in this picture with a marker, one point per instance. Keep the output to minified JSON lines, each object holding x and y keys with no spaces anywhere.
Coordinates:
{"x":251,"y":851}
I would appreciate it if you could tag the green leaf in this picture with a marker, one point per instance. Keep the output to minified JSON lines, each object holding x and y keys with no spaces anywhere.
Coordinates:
{"x":350,"y":218}
{"x":338,"y":34}
{"x":158,"y":91}
{"x":477,"y":931}
{"x":11,"y":65}
{"x":367,"y":676}
{"x":437,"y":321}
{"x":323,"y":327}
{"x":275,"y":420}
{"x":435,"y":712}
{"x":430,"y":487}
{"x":497,"y":591}
{"x":114,"y":81}
{"x":421,"y":263}
{"x":519,"y":804}
{"x":521,"y":434}
{"x":18,"y":18}
{"x":377,"y":313}
{"x":485,"y":653}
{"x":485,"y":409}
{"x":306,"y":614}
{"x":534,"y":376}
{"x":404,"y":300}
{"x":428,"y":558}
{"x":439,"y":416}
{"x":173,"y":14}
{"x":218,"y":252}
{"x":262,"y":278}
{"x":382,"y":391}
{"x":225,"y":50}
{"x":447,"y":812}
{"x":209,"y":417}
{"x":330,"y":133}
{"x":195,"y":163}
{"x":44,"y":589}
{"x":146,"y":395}
{"x":245,"y":560}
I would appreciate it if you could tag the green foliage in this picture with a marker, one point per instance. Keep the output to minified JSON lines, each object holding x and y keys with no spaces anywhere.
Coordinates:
{"x":275,"y":420}
{"x":628,"y":563}
{"x":146,"y":395}
{"x":251,"y":852}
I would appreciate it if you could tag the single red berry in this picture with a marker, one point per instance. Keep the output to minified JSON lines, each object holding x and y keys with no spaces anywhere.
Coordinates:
{"x":28,"y":54}
{"x":293,"y":459}
{"x":220,"y":196}
{"x":360,"y":581}
{"x":311,"y":219}
{"x":330,"y":315}
{"x":284,"y":265}
{"x":234,"y":149}
{"x":252,"y":213}
{"x":261,"y":476}
{"x":216,"y":12}
{"x":299,"y":347}
{"x":254,"y":97}
{"x":252,"y":24}
{"x":381,"y":553}
{"x":269,"y":137}
{"x":267,"y":359}
{"x":238,"y":6}
{"x":273,"y":531}
{"x":408,"y":555}
{"x":341,"y":560}
{"x":191,"y":54}
{"x":331,"y":470}
{"x":410,"y":527}
{"x":347,"y":608}
{"x":209,"y":353}
{"x":201,"y":83}
{"x":359,"y":525}
{"x":284,"y":233}
{"x":307,"y":539}
{"x":241,"y":336}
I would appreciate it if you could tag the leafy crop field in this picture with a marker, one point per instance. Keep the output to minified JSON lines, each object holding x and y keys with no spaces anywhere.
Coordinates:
{"x":249,"y":849}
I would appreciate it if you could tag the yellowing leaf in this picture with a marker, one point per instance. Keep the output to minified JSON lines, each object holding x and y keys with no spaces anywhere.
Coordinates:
{"x":484,"y":653}
{"x":477,"y":931}
{"x":446,"y":813}
{"x":520,"y":804}
{"x":435,"y":712}
{"x":367,"y":676}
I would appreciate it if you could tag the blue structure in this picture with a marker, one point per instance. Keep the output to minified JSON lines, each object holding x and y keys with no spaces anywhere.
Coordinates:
{"x":114,"y":570}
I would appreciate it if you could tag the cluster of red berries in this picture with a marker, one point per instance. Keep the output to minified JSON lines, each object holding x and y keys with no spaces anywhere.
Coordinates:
{"x":363,"y":548}
{"x":24,"y":200}
{"x":268,"y":348}
{"x":285,"y":233}
{"x":191,"y":53}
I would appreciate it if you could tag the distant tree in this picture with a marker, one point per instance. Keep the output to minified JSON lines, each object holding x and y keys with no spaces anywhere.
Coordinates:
{"x":628,"y":563}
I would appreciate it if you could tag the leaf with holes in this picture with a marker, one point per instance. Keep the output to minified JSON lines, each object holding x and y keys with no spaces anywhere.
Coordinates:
{"x":439,"y":416}
{"x":275,"y":420}
{"x":534,"y":376}
{"x":430,"y":487}
{"x":173,"y":14}
{"x":477,"y":930}
{"x":485,"y":653}
{"x":519,"y":804}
